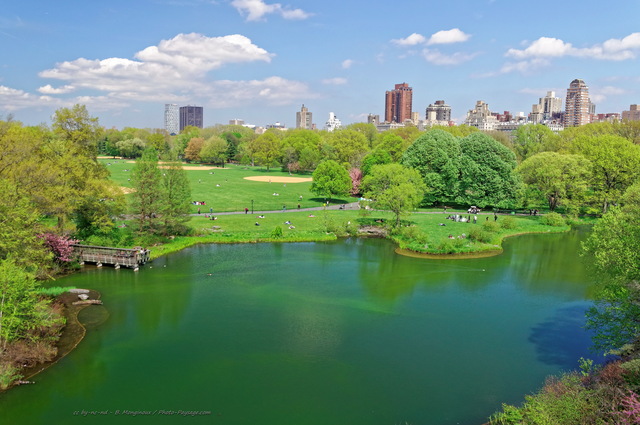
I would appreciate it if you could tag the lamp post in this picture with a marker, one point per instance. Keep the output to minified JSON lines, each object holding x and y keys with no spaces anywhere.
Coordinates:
{"x":252,"y":206}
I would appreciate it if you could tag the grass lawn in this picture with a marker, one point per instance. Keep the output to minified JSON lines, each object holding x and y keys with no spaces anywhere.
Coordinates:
{"x":226,"y":189}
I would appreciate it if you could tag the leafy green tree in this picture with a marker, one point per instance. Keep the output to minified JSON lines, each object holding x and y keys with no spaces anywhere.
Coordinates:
{"x":487,"y":173}
{"x":392,"y":143}
{"x":368,"y":130}
{"x":176,"y":194}
{"x":436,"y":155}
{"x":377,"y":157}
{"x":214,"y":150}
{"x":562,"y":179}
{"x":131,"y":148}
{"x":301,"y":149}
{"x":457,"y":130}
{"x":76,"y":126}
{"x":148,"y":201}
{"x":21,"y":311}
{"x":615,"y":165}
{"x":348,"y":146}
{"x":266,"y":148}
{"x":19,"y":229}
{"x":330,"y":179}
{"x":531,"y":139}
{"x":395,"y":188}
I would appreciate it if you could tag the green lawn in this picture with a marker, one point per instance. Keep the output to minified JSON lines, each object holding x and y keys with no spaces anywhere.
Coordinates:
{"x":227,"y":190}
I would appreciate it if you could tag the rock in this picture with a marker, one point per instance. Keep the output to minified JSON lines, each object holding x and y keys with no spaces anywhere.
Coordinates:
{"x":83,"y":296}
{"x":79,"y":291}
{"x":88,"y":302}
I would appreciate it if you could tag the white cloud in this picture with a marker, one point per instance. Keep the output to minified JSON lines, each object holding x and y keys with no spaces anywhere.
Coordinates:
{"x":454,"y":35}
{"x":347,"y":63}
{"x":337,"y":81}
{"x":435,"y":57}
{"x":176,"y":70}
{"x":48,"y":89}
{"x":613,"y":49}
{"x":411,"y":40}
{"x":255,"y":10}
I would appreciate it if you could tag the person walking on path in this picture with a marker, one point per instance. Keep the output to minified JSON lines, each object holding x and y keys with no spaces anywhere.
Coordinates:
{"x":246,"y":210}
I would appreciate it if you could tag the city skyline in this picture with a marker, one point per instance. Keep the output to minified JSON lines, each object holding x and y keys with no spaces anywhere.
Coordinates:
{"x":260,"y":60}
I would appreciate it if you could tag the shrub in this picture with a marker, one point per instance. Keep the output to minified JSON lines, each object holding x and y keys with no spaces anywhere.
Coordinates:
{"x":508,"y":223}
{"x":480,"y":235}
{"x":276,"y":233}
{"x":491,"y":226}
{"x":446,"y":246}
{"x":553,"y":219}
{"x":8,"y":374}
{"x":631,"y":373}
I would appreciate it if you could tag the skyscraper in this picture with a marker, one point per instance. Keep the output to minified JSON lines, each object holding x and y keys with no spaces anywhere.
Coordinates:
{"x":190,"y":115}
{"x":333,"y":123}
{"x":304,"y":118}
{"x":398,"y":103}
{"x":171,"y":118}
{"x":578,"y":105}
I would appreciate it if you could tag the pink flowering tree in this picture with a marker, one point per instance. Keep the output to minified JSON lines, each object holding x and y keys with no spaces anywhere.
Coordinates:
{"x":60,"y":246}
{"x":356,"y":179}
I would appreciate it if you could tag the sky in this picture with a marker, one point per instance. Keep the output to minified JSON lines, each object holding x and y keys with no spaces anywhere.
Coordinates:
{"x":261,"y":60}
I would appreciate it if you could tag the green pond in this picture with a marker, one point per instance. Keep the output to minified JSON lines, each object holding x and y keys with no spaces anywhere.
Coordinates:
{"x":347,"y":332}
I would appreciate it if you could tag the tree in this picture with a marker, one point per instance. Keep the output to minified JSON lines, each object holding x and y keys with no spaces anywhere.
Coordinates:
{"x":19,"y":303}
{"x":348,"y":146}
{"x":531,"y":139}
{"x":19,"y":230}
{"x":392,"y":143}
{"x":266,"y":148}
{"x":436,"y":156}
{"x":76,"y":126}
{"x":615,"y":165}
{"x":214,"y":150}
{"x":148,"y":200}
{"x":395,"y":188}
{"x":176,"y":194}
{"x":192,"y":151}
{"x":130,"y":148}
{"x":369,"y":130}
{"x":487,"y":173}
{"x":377,"y":157}
{"x":562,"y":179}
{"x":330,"y":179}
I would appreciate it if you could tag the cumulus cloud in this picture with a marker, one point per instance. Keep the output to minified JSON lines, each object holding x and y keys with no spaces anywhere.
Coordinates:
{"x":613,"y":49}
{"x":175,"y":70}
{"x":454,"y":35}
{"x":411,"y":40}
{"x":337,"y":81}
{"x":256,"y":10}
{"x":48,"y":89}
{"x":435,"y":57}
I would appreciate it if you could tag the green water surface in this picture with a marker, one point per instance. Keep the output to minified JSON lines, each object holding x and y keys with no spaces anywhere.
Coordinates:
{"x":346,"y":332}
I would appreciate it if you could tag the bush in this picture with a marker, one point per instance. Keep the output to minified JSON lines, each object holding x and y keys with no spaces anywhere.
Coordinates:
{"x":8,"y":374}
{"x":54,"y":291}
{"x":631,"y":373}
{"x":553,"y":219}
{"x":508,"y":223}
{"x":480,"y":235}
{"x":277,"y":233}
{"x":413,"y":234}
{"x":446,"y":246}
{"x":491,"y":226}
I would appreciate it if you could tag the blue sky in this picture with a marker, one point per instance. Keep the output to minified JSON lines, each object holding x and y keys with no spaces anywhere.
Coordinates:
{"x":260,"y":60}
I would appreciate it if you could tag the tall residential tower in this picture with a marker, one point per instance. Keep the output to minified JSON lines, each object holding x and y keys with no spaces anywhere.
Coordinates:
{"x":398,"y":103}
{"x":578,"y":106}
{"x":190,"y":115}
{"x":304,"y":118}
{"x":171,"y":118}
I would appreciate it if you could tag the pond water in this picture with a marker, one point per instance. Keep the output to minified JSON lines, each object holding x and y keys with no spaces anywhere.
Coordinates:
{"x":346,"y":332}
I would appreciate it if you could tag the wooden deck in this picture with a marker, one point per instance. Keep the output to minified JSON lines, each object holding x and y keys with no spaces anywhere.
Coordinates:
{"x":117,"y":257}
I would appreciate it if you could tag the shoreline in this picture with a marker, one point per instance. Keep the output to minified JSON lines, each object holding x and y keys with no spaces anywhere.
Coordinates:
{"x":72,"y":334}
